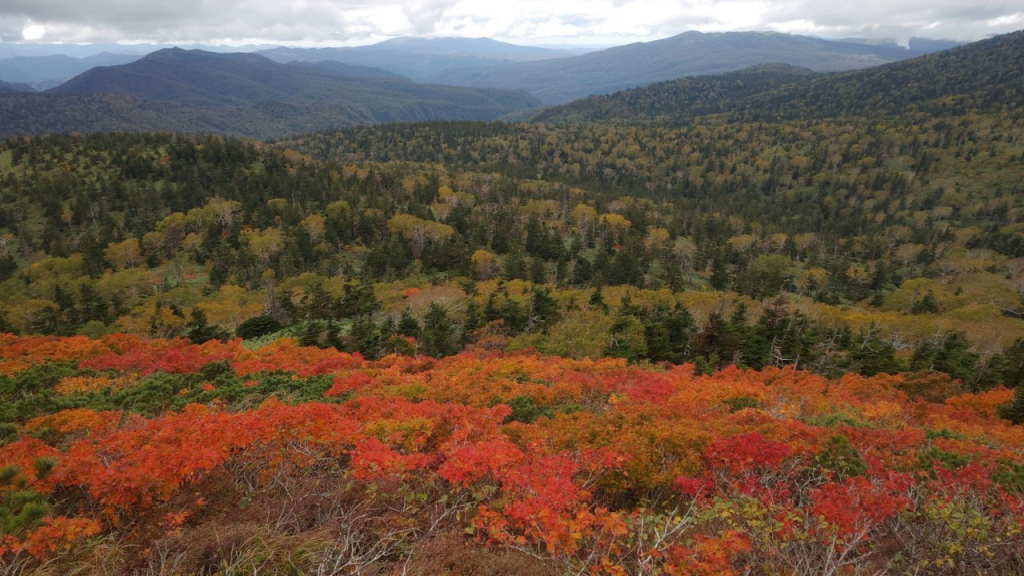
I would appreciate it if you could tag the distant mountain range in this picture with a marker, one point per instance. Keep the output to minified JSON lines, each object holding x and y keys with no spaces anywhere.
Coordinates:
{"x":422,"y":58}
{"x":39,"y":69}
{"x":44,"y":66}
{"x":553,"y":75}
{"x":243,"y":94}
{"x":11,"y":49}
{"x":251,"y":94}
{"x":565,"y":79}
{"x":985,"y":76}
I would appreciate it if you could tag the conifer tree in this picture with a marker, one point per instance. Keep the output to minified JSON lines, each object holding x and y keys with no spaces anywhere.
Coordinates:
{"x":439,"y":336}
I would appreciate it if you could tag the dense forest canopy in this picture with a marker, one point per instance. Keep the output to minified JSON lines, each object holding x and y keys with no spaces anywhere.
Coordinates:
{"x":905,"y":232}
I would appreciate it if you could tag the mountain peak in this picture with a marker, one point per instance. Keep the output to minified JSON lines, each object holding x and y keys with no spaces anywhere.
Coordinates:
{"x":481,"y":47}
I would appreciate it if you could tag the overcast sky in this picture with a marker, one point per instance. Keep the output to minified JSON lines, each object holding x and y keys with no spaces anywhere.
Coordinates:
{"x":583,"y":22}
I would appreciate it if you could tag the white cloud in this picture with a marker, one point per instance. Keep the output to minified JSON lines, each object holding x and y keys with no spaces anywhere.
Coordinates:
{"x":1013,"y":20}
{"x":323,"y":22}
{"x":33,"y":32}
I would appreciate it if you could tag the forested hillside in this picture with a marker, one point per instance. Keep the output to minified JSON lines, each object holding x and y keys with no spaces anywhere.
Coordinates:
{"x":678,"y":99}
{"x":700,"y":248}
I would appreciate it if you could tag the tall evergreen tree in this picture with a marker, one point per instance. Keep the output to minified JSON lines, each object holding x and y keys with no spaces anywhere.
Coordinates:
{"x":440,"y":336}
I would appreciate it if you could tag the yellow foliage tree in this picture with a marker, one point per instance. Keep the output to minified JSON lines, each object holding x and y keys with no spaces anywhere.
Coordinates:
{"x":263,"y":244}
{"x":485,"y":265}
{"x":122,"y":255}
{"x":314,"y":225}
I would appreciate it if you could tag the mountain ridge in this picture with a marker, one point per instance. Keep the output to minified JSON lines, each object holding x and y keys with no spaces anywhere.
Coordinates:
{"x":420,"y":58}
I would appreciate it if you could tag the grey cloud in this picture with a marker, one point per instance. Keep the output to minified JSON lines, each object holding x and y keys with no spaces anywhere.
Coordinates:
{"x":424,"y":16}
{"x":10,"y":26}
{"x":105,"y":12}
{"x":182,"y":20}
{"x":954,"y":19}
{"x":346,"y":20}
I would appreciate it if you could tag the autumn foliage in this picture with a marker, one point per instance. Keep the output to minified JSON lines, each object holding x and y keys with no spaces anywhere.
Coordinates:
{"x":584,"y":466}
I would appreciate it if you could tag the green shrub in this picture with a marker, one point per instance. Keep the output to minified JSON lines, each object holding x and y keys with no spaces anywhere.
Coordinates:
{"x":738,"y":403}
{"x":256,"y":327}
{"x":841,"y":457}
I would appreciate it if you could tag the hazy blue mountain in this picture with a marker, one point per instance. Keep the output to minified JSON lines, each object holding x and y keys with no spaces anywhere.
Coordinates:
{"x":420,"y":58}
{"x":32,"y":69}
{"x":470,"y":46}
{"x":15,"y":87}
{"x":244,"y":94}
{"x":10,"y":49}
{"x":688,"y":54}
{"x":45,"y":85}
{"x":342,"y":69}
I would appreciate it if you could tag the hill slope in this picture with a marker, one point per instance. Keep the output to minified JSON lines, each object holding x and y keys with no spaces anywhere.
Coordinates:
{"x":243,"y":94}
{"x":342,"y":69}
{"x":688,"y":96}
{"x":6,"y":87}
{"x":986,"y":75}
{"x":688,"y":54}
